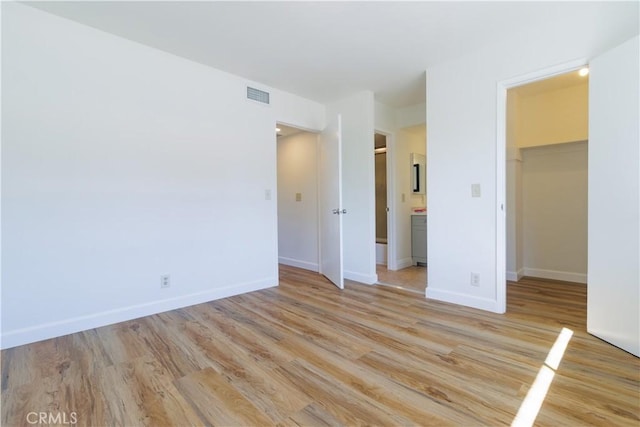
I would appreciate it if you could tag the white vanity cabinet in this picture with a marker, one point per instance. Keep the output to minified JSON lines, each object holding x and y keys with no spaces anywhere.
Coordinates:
{"x":419,"y":239}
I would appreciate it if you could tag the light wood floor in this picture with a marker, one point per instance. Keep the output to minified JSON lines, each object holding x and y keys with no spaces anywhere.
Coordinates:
{"x":306,"y":353}
{"x":412,"y":278}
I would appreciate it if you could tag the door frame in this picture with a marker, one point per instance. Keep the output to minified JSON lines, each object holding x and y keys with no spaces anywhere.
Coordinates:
{"x":391,"y":194}
{"x":501,"y":165}
{"x":315,"y":132}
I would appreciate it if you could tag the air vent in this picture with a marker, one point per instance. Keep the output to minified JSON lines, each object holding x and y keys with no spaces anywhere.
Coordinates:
{"x":257,"y":95}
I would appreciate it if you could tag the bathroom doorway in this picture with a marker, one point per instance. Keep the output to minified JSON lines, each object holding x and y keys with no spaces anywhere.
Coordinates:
{"x":382,"y":209}
{"x":396,"y":202}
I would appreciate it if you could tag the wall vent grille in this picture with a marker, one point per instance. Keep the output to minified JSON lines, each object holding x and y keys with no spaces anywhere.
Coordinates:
{"x":257,"y":95}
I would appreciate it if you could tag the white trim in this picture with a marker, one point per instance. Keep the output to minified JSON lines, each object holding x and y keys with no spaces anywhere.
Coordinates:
{"x":462,"y":299}
{"x":312,"y":266}
{"x":403,"y":263}
{"x":391,"y":194}
{"x":501,"y":167}
{"x":361,"y":278}
{"x":319,"y":210}
{"x":82,"y":323}
{"x":392,"y":249}
{"x":381,"y":253}
{"x":391,"y":197}
{"x":501,"y":198}
{"x":514,"y":276}
{"x":567,"y":276}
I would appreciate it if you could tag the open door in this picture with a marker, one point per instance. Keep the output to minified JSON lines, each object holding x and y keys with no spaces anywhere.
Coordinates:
{"x":613,"y":284}
{"x":331,"y":211}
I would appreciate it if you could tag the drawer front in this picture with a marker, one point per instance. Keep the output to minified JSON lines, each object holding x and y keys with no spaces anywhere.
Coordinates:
{"x":419,"y":220}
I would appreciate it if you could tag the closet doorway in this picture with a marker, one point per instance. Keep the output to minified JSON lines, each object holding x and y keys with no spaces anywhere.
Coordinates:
{"x":547,"y":174}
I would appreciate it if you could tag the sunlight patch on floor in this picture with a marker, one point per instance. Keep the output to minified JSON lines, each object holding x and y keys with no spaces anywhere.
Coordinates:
{"x":532,"y":403}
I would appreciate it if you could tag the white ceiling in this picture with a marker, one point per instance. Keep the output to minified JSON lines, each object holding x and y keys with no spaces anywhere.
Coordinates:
{"x":323,"y":50}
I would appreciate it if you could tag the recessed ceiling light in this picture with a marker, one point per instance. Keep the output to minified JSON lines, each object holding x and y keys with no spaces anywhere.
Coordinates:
{"x":583,"y":71}
{"x":278,"y":129}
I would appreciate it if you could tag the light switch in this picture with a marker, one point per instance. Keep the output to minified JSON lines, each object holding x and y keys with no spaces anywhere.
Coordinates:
{"x":267,"y":194}
{"x":475,"y":190}
{"x":403,"y":197}
{"x":298,"y":197}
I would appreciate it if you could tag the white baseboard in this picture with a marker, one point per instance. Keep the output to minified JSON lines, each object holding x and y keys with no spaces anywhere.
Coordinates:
{"x":299,"y":263}
{"x":514,"y":276}
{"x":381,"y":253}
{"x":566,"y":276}
{"x":404,"y":263}
{"x":82,"y":323}
{"x":361,"y":278}
{"x":462,"y":299}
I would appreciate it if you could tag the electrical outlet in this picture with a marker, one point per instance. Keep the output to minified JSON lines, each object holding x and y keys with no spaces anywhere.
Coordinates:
{"x":165,"y":281}
{"x":298,"y":197}
{"x":475,"y":279}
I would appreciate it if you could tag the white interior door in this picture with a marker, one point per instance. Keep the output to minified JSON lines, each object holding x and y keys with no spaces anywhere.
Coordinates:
{"x":613,"y":284}
{"x":331,"y":211}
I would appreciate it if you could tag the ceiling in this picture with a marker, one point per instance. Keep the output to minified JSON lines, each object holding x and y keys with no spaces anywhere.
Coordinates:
{"x":561,"y":81}
{"x":324,"y":50}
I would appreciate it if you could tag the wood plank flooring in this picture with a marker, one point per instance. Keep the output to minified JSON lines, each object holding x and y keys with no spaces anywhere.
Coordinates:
{"x":306,"y":353}
{"x":413,"y":278}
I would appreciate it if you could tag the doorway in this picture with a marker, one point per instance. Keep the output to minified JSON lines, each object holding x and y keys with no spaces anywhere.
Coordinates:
{"x":382,"y":209}
{"x":404,"y":200}
{"x":297,"y":178}
{"x":547,"y":173}
{"x":545,"y":132}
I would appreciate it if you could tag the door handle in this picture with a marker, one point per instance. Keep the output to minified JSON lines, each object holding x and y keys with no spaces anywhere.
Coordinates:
{"x":339,"y":211}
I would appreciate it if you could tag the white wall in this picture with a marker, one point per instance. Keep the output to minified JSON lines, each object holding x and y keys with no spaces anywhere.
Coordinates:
{"x":298,"y":219}
{"x":385,"y":118}
{"x":461,"y":130}
{"x":554,"y":202}
{"x":553,"y":117}
{"x":613,"y":303}
{"x":121,"y":163}
{"x":412,"y":115}
{"x":358,"y":117}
